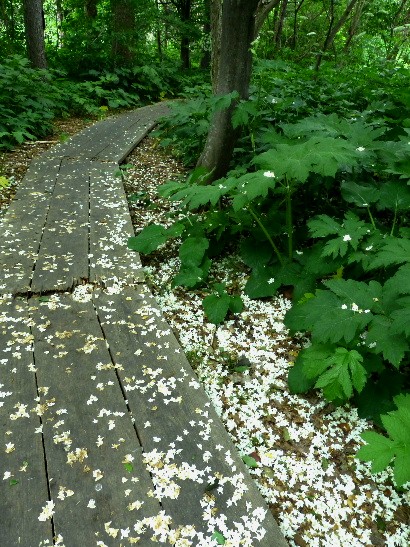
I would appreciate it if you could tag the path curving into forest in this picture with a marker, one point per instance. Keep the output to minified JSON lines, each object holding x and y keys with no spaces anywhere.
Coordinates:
{"x":109,"y":438}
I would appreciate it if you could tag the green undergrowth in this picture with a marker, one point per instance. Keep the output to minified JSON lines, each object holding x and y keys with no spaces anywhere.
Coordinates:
{"x":317,"y":201}
{"x":30,"y":99}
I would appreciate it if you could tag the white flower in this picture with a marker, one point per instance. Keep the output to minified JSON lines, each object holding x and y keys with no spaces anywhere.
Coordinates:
{"x":47,"y":512}
{"x":269,"y":174}
{"x":347,"y":238}
{"x":271,"y":280}
{"x":360,"y":149}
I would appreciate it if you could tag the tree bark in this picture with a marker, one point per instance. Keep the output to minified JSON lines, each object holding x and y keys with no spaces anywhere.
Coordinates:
{"x":334,"y":28}
{"x":263,"y":10}
{"x":185,"y":16}
{"x":233,"y":74}
{"x":90,"y":8}
{"x":279,"y":23}
{"x":123,"y":19}
{"x":34,"y":27}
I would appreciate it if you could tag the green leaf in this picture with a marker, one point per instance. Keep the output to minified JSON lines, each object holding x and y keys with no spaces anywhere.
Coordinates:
{"x":395,"y":250}
{"x":401,"y":320}
{"x":252,"y":186}
{"x":349,"y":233}
{"x":255,"y":253}
{"x":377,"y":395}
{"x":192,"y":276}
{"x":192,"y":251}
{"x":314,"y":359}
{"x":297,"y":380}
{"x":326,"y":319}
{"x":152,"y":236}
{"x":249,"y":461}
{"x":4,"y":182}
{"x":13,"y":482}
{"x":344,"y":374}
{"x":262,"y":282}
{"x":216,"y":307}
{"x":129,"y":467}
{"x":321,"y":155}
{"x":359,"y":194}
{"x":236,"y":304}
{"x":220,"y":538}
{"x":394,"y":195}
{"x":382,"y":339}
{"x":379,"y":450}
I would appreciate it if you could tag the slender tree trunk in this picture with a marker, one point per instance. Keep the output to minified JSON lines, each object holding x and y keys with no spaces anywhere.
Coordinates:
{"x":280,"y":21}
{"x":354,"y":25}
{"x":206,"y":50}
{"x":34,"y":27}
{"x":59,"y":23}
{"x":262,"y":12}
{"x":298,"y":7}
{"x":233,"y":74}
{"x":334,"y":28}
{"x":158,"y":30}
{"x":185,"y":16}
{"x":123,"y":20}
{"x":90,"y":8}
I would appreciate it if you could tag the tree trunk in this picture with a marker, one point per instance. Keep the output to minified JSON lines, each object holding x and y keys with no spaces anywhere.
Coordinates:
{"x":264,"y":9}
{"x":34,"y":27}
{"x":280,"y":21}
{"x":123,"y":20}
{"x":59,"y":23}
{"x":233,"y":74}
{"x":90,"y":8}
{"x":334,"y":28}
{"x":354,"y":25}
{"x":185,"y":16}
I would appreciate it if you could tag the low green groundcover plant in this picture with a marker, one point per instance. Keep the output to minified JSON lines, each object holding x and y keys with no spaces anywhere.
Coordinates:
{"x":320,"y":203}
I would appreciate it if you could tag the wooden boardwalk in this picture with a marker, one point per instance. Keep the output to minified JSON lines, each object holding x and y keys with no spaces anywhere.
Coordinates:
{"x":107,"y":439}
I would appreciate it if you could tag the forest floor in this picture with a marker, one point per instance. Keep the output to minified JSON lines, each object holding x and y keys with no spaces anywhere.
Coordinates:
{"x":320,"y":494}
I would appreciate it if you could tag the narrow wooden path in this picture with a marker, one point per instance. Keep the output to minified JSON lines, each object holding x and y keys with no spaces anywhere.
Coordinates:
{"x":107,"y":438}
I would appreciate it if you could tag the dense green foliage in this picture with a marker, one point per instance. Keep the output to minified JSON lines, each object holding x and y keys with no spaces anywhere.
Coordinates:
{"x":317,"y":199}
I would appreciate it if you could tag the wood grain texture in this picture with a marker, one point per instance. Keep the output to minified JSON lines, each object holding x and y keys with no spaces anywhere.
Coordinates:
{"x":163,"y":392}
{"x":23,"y":224}
{"x":63,"y":256}
{"x":23,"y":479}
{"x":88,"y":431}
{"x":110,"y":227}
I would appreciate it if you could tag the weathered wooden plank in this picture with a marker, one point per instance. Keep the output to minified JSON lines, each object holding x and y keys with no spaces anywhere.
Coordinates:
{"x":125,"y":141}
{"x":110,"y":227}
{"x":22,"y":226}
{"x":97,"y":479}
{"x":23,"y":478}
{"x":183,"y":439}
{"x":63,"y":257}
{"x":113,"y":138}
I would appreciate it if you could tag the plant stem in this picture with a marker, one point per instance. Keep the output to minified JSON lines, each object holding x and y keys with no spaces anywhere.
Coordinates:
{"x":394,"y":221}
{"x":289,"y":223}
{"x":371,"y":217}
{"x":268,"y":237}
